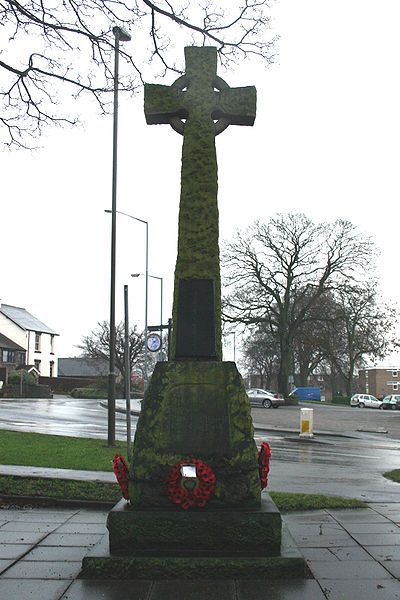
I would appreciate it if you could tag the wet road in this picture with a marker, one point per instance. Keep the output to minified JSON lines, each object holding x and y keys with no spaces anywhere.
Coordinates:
{"x":328,"y":464}
{"x":60,"y":416}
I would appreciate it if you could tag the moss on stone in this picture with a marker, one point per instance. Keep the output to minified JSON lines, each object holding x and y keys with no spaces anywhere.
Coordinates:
{"x":214,"y":427}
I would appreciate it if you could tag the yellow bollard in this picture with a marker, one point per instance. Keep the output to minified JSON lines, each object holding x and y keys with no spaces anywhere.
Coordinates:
{"x":306,"y":422}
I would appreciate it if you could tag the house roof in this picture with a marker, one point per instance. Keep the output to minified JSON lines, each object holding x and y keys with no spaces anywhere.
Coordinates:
{"x":24,"y":319}
{"x":7,"y":344}
{"x":82,"y":367}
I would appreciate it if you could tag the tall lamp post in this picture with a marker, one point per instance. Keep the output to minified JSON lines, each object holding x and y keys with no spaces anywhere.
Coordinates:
{"x":146,"y":293}
{"x":120,"y":35}
{"x":161,"y":299}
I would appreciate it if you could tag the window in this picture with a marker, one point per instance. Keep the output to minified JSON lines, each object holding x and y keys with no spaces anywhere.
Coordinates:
{"x":21,"y":358}
{"x":37,"y":365}
{"x":37,"y":341}
{"x":52,"y":344}
{"x":52,"y":368}
{"x":395,"y":373}
{"x":8,"y":356}
{"x":395,"y":387}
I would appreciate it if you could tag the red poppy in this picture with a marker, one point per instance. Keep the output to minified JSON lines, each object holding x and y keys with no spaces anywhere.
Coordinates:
{"x":204,"y":484}
{"x":264,"y":457}
{"x":122,"y":474}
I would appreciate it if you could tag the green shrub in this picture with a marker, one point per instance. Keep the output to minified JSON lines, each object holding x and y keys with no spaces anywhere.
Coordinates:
{"x":90,"y":393}
{"x":27,"y":378}
{"x":339,"y":399}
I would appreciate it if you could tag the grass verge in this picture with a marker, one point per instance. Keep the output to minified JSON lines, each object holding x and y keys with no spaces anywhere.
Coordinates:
{"x":109,"y":492}
{"x":393,"y":475}
{"x":287,"y":501}
{"x":57,"y":451}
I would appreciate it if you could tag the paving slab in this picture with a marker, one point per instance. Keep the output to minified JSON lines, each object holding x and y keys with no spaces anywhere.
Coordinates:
{"x":40,"y":527}
{"x":80,"y":527}
{"x":377,"y":539}
{"x":14,"y":550}
{"x":89,"y":516}
{"x":385,"y":552}
{"x":4,"y":564}
{"x":109,"y":590}
{"x":279,"y":590}
{"x":393,"y":566}
{"x":329,"y":569}
{"x":62,"y":553}
{"x":71,"y":539}
{"x":20,"y":537}
{"x":372,"y":528}
{"x":361,"y":515}
{"x":382,"y":589}
{"x":193,"y":590}
{"x":32,"y":589}
{"x":43,"y":570}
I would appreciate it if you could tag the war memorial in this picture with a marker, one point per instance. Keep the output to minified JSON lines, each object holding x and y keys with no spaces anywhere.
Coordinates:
{"x":195,"y":506}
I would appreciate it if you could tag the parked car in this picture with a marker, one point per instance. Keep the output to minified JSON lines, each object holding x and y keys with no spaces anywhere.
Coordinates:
{"x":265,"y":398}
{"x":391,"y":402}
{"x":365,"y":400}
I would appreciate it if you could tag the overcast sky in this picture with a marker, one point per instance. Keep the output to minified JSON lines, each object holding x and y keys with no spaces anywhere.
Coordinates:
{"x":325,"y":142}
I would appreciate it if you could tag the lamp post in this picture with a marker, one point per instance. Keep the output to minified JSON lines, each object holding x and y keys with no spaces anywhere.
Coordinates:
{"x":146,"y":293}
{"x":120,"y":35}
{"x":161,"y":280}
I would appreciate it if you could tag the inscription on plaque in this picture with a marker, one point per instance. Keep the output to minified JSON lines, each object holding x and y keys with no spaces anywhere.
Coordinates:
{"x":195,"y":328}
{"x":201,"y":412}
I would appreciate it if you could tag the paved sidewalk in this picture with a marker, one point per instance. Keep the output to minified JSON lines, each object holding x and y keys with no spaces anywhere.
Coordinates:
{"x":353,"y":554}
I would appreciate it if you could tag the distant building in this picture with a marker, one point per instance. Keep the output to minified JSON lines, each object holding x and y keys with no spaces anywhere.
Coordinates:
{"x":11,"y":356}
{"x":34,"y":339}
{"x":379,"y":381}
{"x":83,"y":367}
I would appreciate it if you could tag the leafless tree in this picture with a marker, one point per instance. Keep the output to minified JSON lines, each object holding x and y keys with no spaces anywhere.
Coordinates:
{"x":261,"y":355}
{"x":360,"y":327}
{"x":97,"y":345}
{"x":54,"y":49}
{"x":276,"y":271}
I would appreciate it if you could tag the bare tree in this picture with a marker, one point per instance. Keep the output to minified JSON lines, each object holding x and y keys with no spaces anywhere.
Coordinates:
{"x":278,"y":270}
{"x":53,"y":49}
{"x":97,"y":345}
{"x":261,"y":355}
{"x":360,"y":327}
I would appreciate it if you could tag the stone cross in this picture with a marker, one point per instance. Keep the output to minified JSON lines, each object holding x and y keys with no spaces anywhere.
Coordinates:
{"x":199,"y":105}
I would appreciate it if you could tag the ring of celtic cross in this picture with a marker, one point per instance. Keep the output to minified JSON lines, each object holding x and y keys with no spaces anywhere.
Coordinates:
{"x":220,"y":124}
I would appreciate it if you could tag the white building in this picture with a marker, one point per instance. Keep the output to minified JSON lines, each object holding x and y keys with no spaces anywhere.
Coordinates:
{"x":38,"y":340}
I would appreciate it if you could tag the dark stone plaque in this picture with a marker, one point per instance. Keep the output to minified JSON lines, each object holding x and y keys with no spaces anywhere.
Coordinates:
{"x":196,"y":420}
{"x":195,"y":327}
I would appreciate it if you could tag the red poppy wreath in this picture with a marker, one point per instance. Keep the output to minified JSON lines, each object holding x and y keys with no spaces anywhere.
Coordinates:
{"x":122,"y":474}
{"x":264,"y":457}
{"x":195,"y":491}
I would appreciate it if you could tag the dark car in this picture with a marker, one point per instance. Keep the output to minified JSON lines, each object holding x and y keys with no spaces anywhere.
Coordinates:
{"x":265,"y":398}
{"x":391,"y":402}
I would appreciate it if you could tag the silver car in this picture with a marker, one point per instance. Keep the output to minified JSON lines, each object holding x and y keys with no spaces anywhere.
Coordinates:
{"x":264,"y":398}
{"x":365,"y":400}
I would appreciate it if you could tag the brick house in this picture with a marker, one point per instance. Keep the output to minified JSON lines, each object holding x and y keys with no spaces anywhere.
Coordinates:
{"x":12,"y":355}
{"x":379,"y":381}
{"x":31,"y":337}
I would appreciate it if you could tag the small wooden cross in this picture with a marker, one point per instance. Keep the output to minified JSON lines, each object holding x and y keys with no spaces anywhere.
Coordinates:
{"x":199,"y":105}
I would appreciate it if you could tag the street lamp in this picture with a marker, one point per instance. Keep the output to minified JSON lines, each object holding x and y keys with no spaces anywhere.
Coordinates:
{"x":120,"y":35}
{"x":161,"y":300}
{"x":146,"y":293}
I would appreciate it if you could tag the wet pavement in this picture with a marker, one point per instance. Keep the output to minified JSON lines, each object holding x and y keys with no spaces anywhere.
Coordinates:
{"x":351,"y":554}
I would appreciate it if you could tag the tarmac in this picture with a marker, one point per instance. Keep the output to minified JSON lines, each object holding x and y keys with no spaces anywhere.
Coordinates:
{"x":352,"y":554}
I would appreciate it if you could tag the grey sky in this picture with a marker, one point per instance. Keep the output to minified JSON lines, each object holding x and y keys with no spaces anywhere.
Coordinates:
{"x":325,"y":141}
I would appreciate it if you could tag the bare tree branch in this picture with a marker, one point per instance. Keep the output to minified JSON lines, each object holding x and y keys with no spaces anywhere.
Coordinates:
{"x":55,"y":50}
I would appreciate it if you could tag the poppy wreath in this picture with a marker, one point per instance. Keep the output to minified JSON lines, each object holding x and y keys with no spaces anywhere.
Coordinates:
{"x":122,"y":474}
{"x":200,"y":494}
{"x":264,"y":456}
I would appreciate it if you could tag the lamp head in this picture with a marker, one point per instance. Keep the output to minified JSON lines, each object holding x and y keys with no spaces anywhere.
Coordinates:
{"x":122,"y":34}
